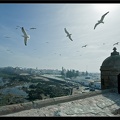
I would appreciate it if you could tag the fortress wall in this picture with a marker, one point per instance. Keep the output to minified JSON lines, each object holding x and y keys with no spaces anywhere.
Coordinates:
{"x":46,"y":102}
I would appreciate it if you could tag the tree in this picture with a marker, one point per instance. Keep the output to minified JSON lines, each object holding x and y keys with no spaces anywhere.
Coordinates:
{"x":72,"y":73}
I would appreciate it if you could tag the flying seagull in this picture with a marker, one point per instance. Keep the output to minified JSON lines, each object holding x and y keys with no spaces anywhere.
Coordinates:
{"x":84,"y":46}
{"x":25,"y":35}
{"x":68,"y":34}
{"x":7,"y":37}
{"x":116,"y":43}
{"x":33,"y":28}
{"x":18,"y":27}
{"x":101,"y":20}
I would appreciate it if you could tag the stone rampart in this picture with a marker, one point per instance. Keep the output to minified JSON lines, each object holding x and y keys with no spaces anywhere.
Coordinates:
{"x":46,"y":102}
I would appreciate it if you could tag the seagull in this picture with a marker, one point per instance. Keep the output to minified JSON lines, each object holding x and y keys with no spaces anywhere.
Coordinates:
{"x":84,"y":46}
{"x":33,"y":28}
{"x":8,"y":50}
{"x":25,"y":35}
{"x":101,"y":20}
{"x":18,"y":27}
{"x":68,"y":34}
{"x":116,"y":43}
{"x":7,"y":37}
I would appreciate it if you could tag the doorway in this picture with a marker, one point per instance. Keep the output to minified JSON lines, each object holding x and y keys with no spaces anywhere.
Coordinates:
{"x":119,"y":83}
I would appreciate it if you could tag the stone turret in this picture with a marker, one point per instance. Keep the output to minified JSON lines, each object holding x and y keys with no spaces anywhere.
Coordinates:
{"x":110,"y":71}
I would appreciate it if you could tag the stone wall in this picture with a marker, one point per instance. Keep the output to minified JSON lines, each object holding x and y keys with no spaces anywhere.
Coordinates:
{"x":109,"y":79}
{"x":46,"y":102}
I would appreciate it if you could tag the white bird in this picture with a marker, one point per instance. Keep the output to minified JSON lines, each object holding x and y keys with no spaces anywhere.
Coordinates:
{"x":84,"y":46}
{"x":68,"y":34}
{"x":101,"y":20}
{"x":18,"y":27}
{"x":26,"y":37}
{"x":116,"y":43}
{"x":7,"y":37}
{"x":33,"y":28}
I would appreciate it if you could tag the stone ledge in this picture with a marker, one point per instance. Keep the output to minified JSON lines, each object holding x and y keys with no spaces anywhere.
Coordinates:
{"x":46,"y":102}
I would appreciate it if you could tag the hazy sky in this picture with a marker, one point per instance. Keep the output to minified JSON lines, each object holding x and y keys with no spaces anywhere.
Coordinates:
{"x":48,"y":46}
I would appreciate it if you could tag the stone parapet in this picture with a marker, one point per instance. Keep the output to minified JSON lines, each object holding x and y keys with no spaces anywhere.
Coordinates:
{"x":105,"y":104}
{"x":46,"y":102}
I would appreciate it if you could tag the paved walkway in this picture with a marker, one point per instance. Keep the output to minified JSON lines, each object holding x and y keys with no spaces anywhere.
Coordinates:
{"x":100,"y":105}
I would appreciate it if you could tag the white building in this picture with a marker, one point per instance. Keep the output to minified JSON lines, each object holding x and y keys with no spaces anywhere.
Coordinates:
{"x":97,"y":85}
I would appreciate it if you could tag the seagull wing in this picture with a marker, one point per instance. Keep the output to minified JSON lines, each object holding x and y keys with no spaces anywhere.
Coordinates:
{"x":24,"y":32}
{"x":96,"y":25}
{"x":70,"y":38}
{"x":116,"y":43}
{"x":66,"y":31}
{"x":84,"y":46}
{"x":104,"y":16}
{"x":25,"y":41}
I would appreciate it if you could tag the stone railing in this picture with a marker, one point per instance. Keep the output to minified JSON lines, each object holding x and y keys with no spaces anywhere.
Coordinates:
{"x":46,"y":102}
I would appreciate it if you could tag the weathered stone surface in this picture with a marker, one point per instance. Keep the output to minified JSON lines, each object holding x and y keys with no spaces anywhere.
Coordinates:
{"x":46,"y":102}
{"x":107,"y":104}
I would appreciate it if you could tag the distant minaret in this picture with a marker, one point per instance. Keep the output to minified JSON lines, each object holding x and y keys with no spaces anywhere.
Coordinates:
{"x":86,"y":73}
{"x":86,"y":70}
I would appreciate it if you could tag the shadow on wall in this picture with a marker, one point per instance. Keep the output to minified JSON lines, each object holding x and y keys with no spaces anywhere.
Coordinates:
{"x":112,"y":101}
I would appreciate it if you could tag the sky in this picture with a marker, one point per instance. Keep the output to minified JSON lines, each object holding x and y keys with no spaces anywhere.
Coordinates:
{"x":48,"y":46}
